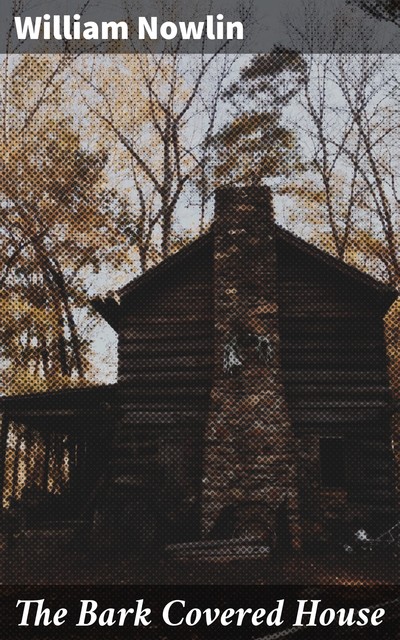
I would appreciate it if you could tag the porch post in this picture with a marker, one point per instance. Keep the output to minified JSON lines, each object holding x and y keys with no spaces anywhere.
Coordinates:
{"x":5,"y":422}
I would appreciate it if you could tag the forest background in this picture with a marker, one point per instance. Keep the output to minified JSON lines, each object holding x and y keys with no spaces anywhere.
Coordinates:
{"x":109,"y":163}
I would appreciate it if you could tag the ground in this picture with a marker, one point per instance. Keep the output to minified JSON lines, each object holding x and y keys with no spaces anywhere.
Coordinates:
{"x":33,"y":565}
{"x":115,"y":580}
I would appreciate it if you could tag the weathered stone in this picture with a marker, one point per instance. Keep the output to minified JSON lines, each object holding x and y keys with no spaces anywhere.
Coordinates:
{"x":250,"y":453}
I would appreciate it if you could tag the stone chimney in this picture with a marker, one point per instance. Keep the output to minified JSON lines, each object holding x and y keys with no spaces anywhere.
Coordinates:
{"x":249,"y":483}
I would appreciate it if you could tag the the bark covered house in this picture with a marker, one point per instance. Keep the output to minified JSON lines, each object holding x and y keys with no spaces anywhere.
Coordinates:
{"x":252,"y":397}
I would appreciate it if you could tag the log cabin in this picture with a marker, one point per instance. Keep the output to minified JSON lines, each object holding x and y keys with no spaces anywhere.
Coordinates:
{"x":253,"y":397}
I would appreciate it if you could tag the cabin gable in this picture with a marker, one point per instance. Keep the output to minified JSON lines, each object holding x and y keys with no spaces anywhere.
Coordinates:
{"x":334,"y":368}
{"x":151,"y":434}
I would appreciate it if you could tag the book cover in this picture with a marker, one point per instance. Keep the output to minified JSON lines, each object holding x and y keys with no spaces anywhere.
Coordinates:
{"x":199,"y":327}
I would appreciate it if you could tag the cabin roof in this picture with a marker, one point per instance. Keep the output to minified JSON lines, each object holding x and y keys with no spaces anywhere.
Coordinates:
{"x":65,"y":409}
{"x":109,"y":307}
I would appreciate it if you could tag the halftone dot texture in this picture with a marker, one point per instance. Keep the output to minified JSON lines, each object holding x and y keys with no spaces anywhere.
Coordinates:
{"x":251,"y":436}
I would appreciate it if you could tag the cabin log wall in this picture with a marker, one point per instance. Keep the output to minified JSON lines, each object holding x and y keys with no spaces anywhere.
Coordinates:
{"x":165,"y":354}
{"x":336,"y":379}
{"x":335,"y":376}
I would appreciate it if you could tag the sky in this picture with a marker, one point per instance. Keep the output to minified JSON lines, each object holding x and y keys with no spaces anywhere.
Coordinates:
{"x":270,"y":28}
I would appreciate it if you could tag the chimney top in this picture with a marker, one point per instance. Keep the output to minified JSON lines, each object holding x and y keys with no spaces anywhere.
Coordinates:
{"x":243,"y":205}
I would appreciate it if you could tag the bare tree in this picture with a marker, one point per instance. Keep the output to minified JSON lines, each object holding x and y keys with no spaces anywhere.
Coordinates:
{"x":160,"y":110}
{"x":350,"y":128}
{"x":352,"y":121}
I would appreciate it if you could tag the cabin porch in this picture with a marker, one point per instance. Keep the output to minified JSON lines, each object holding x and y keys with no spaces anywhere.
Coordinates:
{"x":53,"y":448}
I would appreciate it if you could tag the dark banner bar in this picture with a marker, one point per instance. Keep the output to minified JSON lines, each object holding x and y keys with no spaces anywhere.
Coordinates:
{"x":199,"y":612}
{"x":233,"y":26}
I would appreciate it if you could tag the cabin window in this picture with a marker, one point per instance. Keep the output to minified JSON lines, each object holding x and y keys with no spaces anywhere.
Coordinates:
{"x":147,"y":450}
{"x":332,"y":463}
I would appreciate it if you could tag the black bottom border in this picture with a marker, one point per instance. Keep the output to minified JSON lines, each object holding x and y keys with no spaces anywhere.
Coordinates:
{"x":156,"y":598}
